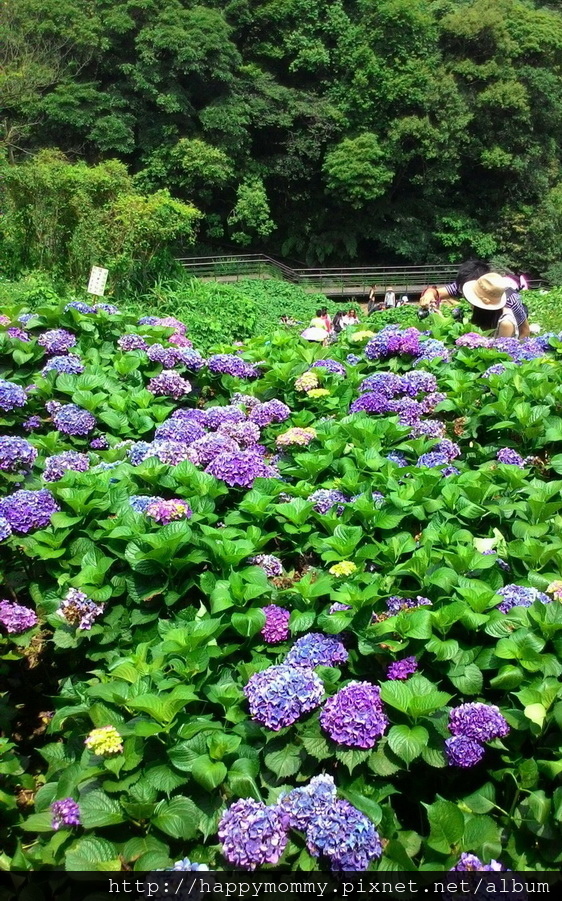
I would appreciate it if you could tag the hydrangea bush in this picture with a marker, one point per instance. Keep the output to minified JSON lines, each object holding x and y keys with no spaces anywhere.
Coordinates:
{"x":283,"y":606}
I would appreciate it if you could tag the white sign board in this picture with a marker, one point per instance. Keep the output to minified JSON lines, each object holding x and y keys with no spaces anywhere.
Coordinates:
{"x":98,"y":279}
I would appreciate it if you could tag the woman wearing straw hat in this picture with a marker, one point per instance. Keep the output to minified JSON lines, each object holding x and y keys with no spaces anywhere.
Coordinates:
{"x":487,"y":297}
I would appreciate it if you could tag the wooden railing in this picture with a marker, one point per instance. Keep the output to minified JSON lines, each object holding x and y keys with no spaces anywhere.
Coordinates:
{"x":334,"y":281}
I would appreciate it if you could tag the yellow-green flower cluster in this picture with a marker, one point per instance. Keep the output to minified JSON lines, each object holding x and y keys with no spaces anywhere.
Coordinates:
{"x":318,"y":392}
{"x":296,"y":435}
{"x":345,"y":568}
{"x":104,"y":741}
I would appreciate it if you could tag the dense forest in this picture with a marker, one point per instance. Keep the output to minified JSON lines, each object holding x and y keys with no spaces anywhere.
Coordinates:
{"x":325,"y":131}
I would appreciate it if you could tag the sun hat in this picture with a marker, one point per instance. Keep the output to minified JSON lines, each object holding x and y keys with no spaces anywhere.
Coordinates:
{"x":314,"y":334}
{"x":486,"y":292}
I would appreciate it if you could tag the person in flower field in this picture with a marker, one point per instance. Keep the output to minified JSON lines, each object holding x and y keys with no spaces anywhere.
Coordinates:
{"x":470,"y":270}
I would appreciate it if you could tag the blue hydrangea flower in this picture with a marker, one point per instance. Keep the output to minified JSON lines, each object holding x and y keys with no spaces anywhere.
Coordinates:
{"x":520,"y":596}
{"x":316,"y":649}
{"x":314,"y":799}
{"x":73,"y":420}
{"x":69,"y":363}
{"x":57,"y":465}
{"x":11,"y":396}
{"x":27,"y":510}
{"x":252,"y":834}
{"x":345,"y":836}
{"x":16,"y":454}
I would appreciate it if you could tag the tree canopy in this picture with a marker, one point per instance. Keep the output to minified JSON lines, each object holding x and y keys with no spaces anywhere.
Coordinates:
{"x":321,"y":130}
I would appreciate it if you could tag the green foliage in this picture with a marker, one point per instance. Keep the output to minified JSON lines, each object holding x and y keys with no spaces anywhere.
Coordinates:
{"x":333,"y":130}
{"x":65,"y":217}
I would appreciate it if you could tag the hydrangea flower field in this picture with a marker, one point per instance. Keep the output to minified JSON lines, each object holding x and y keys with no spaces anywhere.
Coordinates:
{"x":286,"y":606}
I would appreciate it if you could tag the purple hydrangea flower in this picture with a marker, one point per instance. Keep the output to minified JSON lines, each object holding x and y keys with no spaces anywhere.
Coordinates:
{"x":79,"y":306}
{"x":276,"y":624}
{"x":337,"y":606}
{"x":396,"y":605}
{"x":450,"y":471}
{"x":252,"y":834}
{"x":398,"y":458}
{"x":56,"y":466}
{"x":148,"y":320}
{"x":34,"y":422}
{"x":324,"y":499}
{"x":370,"y":403}
{"x":429,"y":402}
{"x":4,"y":320}
{"x":464,"y":752}
{"x":25,"y":317}
{"x":432,"y":459}
{"x":496,"y":369}
{"x":198,"y":416}
{"x":164,"y":512}
{"x":241,"y":468}
{"x":352,"y":360}
{"x":16,"y":618}
{"x":57,"y":341}
{"x":16,"y":454}
{"x":230,"y":364}
{"x":187,"y":356}
{"x":100,"y":443}
{"x":449,"y":449}
{"x":303,"y":804}
{"x":401,"y":669}
{"x":219,"y":415}
{"x":270,"y":564}
{"x":481,"y":722}
{"x":431,"y":349}
{"x":186,"y":430}
{"x":5,"y":529}
{"x":106,"y":308}
{"x":138,"y":453}
{"x":19,"y":333}
{"x":167,"y":356}
{"x":473,"y":339}
{"x":509,"y":456}
{"x":245,"y":400}
{"x":11,"y":396}
{"x":316,"y":649}
{"x":392,"y":340}
{"x":52,"y":406}
{"x":279,"y":695}
{"x":169,"y":384}
{"x":330,"y":366}
{"x":27,"y":510}
{"x":355,"y":717}
{"x":180,"y":340}
{"x":520,"y":596}
{"x":79,"y":610}
{"x":344,"y":835}
{"x":469,"y":863}
{"x":204,"y":450}
{"x":73,"y":420}
{"x":418,"y":382}
{"x":65,"y":813}
{"x":132,"y":342}
{"x":269,"y":412}
{"x":387,"y":384}
{"x":246,"y":434}
{"x":429,"y":428}
{"x":70,"y":363}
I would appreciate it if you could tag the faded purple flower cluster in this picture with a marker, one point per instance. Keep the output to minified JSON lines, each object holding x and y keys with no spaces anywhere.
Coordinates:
{"x":269,"y":412}
{"x":276,"y":627}
{"x":132,"y":342}
{"x":79,"y":610}
{"x":345,"y":836}
{"x":396,"y":605}
{"x":326,"y":498}
{"x":473,"y":339}
{"x":56,"y":466}
{"x":270,"y":564}
{"x":27,"y":510}
{"x":5,"y":529}
{"x":279,"y":695}
{"x":355,"y":717}
{"x":331,"y":366}
{"x":316,"y":649}
{"x":302,"y":804}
